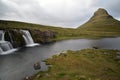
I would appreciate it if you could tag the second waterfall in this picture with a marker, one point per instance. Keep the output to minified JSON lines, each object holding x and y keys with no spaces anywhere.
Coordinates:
{"x":28,"y":38}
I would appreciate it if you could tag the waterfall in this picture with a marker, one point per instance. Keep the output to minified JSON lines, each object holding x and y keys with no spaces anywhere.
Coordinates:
{"x":5,"y":46}
{"x":2,"y":35}
{"x":1,"y":51}
{"x":28,"y":38}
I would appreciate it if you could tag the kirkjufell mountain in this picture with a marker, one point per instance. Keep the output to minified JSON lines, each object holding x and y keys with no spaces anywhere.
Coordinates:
{"x":101,"y":20}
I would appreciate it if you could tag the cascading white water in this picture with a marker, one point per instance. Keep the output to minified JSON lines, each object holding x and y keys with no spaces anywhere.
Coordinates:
{"x":28,"y":38}
{"x":5,"y":46}
{"x":1,"y":51}
{"x":2,"y":35}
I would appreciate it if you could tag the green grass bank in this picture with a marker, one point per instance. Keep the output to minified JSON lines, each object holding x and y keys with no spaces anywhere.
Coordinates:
{"x":86,"y":64}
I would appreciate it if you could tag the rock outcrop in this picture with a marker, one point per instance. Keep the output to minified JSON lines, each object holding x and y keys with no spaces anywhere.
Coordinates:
{"x":43,"y":36}
{"x":14,"y":36}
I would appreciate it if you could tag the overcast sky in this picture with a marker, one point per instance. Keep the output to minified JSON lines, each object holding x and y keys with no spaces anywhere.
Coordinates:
{"x":65,"y":13}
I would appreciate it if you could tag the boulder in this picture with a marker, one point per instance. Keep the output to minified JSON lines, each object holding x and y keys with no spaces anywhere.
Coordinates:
{"x":37,"y":66}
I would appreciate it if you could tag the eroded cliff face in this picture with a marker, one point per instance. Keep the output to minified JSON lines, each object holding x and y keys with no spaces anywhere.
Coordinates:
{"x":43,"y":36}
{"x":15,"y":36}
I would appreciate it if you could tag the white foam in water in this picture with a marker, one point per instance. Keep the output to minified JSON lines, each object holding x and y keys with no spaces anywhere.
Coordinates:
{"x":8,"y":52}
{"x":32,"y":45}
{"x":6,"y":48}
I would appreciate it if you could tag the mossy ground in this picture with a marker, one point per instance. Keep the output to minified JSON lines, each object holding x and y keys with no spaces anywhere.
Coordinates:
{"x":86,"y":64}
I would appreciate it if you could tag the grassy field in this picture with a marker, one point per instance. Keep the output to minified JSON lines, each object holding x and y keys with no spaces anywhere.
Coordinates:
{"x":86,"y":64}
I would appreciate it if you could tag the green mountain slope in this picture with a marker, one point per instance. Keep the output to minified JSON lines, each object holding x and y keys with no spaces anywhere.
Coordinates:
{"x":101,"y":24}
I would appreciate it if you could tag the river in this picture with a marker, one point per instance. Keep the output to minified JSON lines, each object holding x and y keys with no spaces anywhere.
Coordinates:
{"x":19,"y":64}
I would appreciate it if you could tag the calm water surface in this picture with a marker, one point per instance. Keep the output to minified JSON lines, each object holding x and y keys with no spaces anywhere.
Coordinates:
{"x":19,"y":64}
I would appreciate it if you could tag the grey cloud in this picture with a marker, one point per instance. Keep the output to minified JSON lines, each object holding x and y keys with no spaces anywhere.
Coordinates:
{"x":3,"y":9}
{"x":70,"y":14}
{"x":114,"y":8}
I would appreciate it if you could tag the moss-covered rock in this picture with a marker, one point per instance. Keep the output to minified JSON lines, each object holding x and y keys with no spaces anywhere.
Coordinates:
{"x":43,"y":36}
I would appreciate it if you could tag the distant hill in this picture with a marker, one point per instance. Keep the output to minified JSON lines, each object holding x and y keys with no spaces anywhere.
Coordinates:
{"x":101,"y":23}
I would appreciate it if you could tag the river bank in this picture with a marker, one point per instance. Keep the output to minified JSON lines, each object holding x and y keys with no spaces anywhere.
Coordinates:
{"x":86,"y":64}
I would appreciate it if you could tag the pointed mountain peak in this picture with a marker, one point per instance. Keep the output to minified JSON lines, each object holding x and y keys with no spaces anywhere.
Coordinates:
{"x":101,"y":14}
{"x":99,"y":20}
{"x":101,"y":11}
